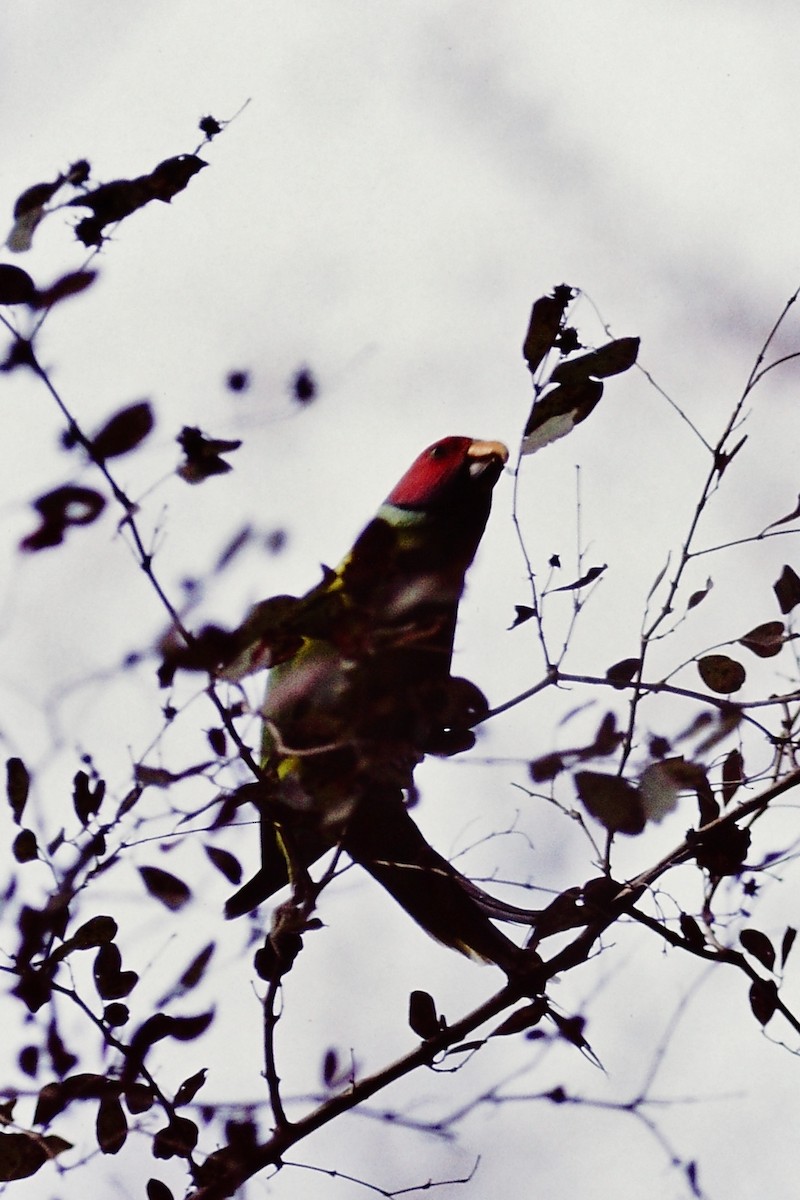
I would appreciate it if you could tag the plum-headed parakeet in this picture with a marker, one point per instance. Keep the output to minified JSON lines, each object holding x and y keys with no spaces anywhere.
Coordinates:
{"x":360,"y":691}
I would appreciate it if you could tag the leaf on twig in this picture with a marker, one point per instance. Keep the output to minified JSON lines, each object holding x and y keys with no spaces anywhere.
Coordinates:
{"x":71,"y":284}
{"x":172,"y":892}
{"x":190,"y":1087}
{"x":621,"y":673}
{"x":522,"y":1019}
{"x":226,"y":863}
{"x":123,"y":432}
{"x":721,"y":674}
{"x":111,"y":981}
{"x":577,"y":390}
{"x":611,"y":359}
{"x":544,"y":326}
{"x":203,"y":455}
{"x":16,"y":285}
{"x":661,"y":784}
{"x":723,"y":459}
{"x":787,"y":941}
{"x":590,"y":576}
{"x":111,"y":1126}
{"x":546,"y":767}
{"x":196,"y":969}
{"x":765,"y":640}
{"x":17,"y":786}
{"x":658,"y":578}
{"x":160,"y":777}
{"x":792,"y":516}
{"x":31,"y":205}
{"x":524,"y":613}
{"x":422,"y":1015}
{"x":787,"y":589}
{"x":732,"y":775}
{"x":763,"y":1000}
{"x":59,"y":509}
{"x":612,"y":801}
{"x":758,"y":944}
{"x":558,"y":412}
{"x":112,"y":202}
{"x":698,"y":596}
{"x":22,"y":1154}
{"x":86,"y":800}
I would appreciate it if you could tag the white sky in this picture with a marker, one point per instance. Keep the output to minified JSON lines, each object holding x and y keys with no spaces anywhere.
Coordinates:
{"x":404,"y":182}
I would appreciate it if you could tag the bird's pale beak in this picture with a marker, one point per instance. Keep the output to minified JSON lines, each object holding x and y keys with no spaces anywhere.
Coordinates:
{"x":486,"y":455}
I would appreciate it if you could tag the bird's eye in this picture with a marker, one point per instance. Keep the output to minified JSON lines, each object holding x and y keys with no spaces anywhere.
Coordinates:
{"x":439,"y":451}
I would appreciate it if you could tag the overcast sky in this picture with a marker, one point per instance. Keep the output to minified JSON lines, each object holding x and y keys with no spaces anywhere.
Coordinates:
{"x":403,"y":182}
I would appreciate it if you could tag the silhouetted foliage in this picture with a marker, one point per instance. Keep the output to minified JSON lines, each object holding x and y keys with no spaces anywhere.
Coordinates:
{"x":359,"y":707}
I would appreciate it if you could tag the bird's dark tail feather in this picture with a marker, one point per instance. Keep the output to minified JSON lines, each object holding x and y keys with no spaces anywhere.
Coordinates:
{"x":383,"y":838}
{"x":438,"y":897}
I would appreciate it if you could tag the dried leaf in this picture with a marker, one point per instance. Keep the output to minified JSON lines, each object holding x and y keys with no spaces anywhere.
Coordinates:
{"x":692,"y":932}
{"x":71,"y":284}
{"x":697,"y":597}
{"x":787,"y":589}
{"x":218,"y":741}
{"x":763,"y":999}
{"x":765,"y":640}
{"x":22,"y":1154}
{"x":139,"y":1097}
{"x":186,"y":1029}
{"x":612,"y":801}
{"x":156,"y":1190}
{"x":607,"y":739}
{"x":611,"y":359}
{"x":522,"y":1018}
{"x":35,"y":196}
{"x":176,"y":1140}
{"x":16,"y":285}
{"x":86,"y":799}
{"x":160,"y":777}
{"x":330,"y":1067}
{"x":123,"y":432}
{"x":524,"y":613}
{"x":758,"y":944}
{"x":17,"y":786}
{"x":590,"y":576}
{"x":621,"y":673}
{"x":111,"y":981}
{"x":197,"y":968}
{"x":545,"y":323}
{"x":546,"y":767}
{"x":661,"y":784}
{"x":721,"y":674}
{"x":658,"y":578}
{"x":111,"y":1126}
{"x":422,"y":1015}
{"x":558,"y":411}
{"x":732,"y":775}
{"x":792,"y":516}
{"x":226,"y":863}
{"x":64,"y":506}
{"x":172,"y":892}
{"x":786,"y":944}
{"x":190,"y":1087}
{"x":203,"y":455}
{"x":722,"y":851}
{"x":112,"y":202}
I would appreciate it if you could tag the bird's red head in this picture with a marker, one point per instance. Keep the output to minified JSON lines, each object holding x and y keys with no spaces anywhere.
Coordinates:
{"x":445,"y":468}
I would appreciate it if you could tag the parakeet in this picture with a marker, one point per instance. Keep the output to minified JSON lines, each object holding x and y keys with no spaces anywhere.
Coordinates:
{"x":360,"y":691}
